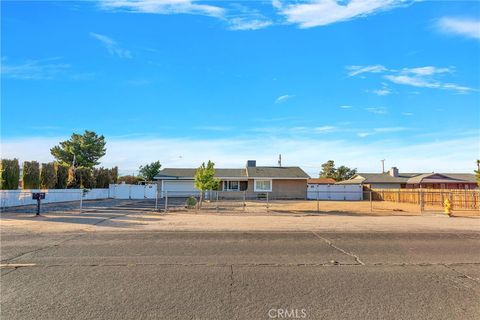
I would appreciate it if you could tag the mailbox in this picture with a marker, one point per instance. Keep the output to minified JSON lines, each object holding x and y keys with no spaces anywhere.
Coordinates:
{"x":38,"y":195}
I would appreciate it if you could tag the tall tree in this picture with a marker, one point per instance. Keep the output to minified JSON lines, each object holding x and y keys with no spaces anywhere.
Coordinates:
{"x":81,"y":150}
{"x":328,"y":169}
{"x":114,"y":174}
{"x":9,"y":174}
{"x":62,"y":176}
{"x":48,"y":176}
{"x":344,"y":173}
{"x":205,"y":179}
{"x":31,"y":175}
{"x":338,"y":174}
{"x":149,"y":171}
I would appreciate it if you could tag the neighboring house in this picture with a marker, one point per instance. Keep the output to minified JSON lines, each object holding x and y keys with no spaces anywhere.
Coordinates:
{"x":314,"y":184}
{"x":279,"y":182}
{"x":393,"y":179}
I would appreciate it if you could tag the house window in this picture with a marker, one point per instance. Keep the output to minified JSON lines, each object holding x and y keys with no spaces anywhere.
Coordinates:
{"x":231,"y":185}
{"x":263,"y":186}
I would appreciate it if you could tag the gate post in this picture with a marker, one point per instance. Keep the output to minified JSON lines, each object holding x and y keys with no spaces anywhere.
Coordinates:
{"x":166,"y":201}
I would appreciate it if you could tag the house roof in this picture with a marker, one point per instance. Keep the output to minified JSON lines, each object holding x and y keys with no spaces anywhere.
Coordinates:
{"x":321,"y":181}
{"x":410,"y":178}
{"x":250,"y":172}
{"x":276,"y":172}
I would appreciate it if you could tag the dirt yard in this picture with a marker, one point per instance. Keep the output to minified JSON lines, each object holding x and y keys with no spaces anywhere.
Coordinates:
{"x":376,"y":208}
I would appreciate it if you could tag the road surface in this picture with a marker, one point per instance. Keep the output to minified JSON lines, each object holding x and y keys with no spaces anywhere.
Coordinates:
{"x":240,"y":275}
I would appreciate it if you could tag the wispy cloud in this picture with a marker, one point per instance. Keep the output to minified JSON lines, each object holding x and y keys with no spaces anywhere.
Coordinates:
{"x":384,"y":91}
{"x":284,"y":98}
{"x":377,"y":110}
{"x":248,"y":24}
{"x":163,"y":7}
{"x":324,"y":12}
{"x":421,"y":77}
{"x":376,"y":131}
{"x":357,"y":70}
{"x":325,"y":129}
{"x":407,"y":114}
{"x":46,"y":69}
{"x":112,"y":46}
{"x":469,"y":28}
{"x":346,"y":107}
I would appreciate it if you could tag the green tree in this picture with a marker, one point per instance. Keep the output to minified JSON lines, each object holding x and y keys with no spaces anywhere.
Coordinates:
{"x":113,"y":175}
{"x":149,"y":171}
{"x":338,"y":174}
{"x":48,"y":176}
{"x":205,"y":179}
{"x":328,"y":170}
{"x":344,"y":173}
{"x":31,"y":175}
{"x":62,"y":176}
{"x":82,"y":150}
{"x":9,"y":174}
{"x":102,"y":177}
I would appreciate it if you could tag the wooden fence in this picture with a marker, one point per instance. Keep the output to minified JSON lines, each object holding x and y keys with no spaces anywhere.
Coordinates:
{"x":460,"y":199}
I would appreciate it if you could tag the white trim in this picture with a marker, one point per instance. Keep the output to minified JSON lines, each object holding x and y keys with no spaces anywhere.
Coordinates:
{"x":255,"y":185}
{"x":277,"y":178}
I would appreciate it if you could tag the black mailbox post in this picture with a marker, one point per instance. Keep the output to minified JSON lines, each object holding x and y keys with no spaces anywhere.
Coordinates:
{"x":38,"y":196}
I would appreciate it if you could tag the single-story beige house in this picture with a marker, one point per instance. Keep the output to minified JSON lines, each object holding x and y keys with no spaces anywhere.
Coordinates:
{"x":278,"y":182}
{"x":393,"y":179}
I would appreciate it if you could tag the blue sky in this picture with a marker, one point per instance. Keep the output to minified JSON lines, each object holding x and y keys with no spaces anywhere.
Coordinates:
{"x":186,"y":81}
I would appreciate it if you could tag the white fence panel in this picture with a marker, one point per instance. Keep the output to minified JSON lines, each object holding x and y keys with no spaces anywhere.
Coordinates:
{"x":11,"y":198}
{"x":335,"y":192}
{"x":133,"y":191}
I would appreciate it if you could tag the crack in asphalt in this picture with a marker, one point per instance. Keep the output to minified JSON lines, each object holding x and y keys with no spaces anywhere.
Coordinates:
{"x":450,"y":267}
{"x":330,"y":243}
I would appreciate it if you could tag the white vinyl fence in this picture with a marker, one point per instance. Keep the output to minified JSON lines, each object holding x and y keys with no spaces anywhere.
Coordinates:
{"x":335,"y":192}
{"x":132,"y":191}
{"x":11,"y":198}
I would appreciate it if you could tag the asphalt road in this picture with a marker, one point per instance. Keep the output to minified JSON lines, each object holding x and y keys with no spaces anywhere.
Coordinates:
{"x":237,"y":275}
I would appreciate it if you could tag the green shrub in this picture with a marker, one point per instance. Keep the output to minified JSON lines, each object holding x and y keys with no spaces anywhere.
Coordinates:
{"x":191,"y":202}
{"x":9,"y":174}
{"x":62,"y":176}
{"x":113,"y":175}
{"x":101,"y":177}
{"x":48,"y":176}
{"x":31,"y":175}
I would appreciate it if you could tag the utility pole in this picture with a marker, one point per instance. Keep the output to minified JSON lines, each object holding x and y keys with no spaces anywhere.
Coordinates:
{"x":383,"y":165}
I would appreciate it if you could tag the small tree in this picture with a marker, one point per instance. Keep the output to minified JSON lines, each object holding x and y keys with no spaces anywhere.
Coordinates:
{"x":62,"y":176}
{"x":149,"y":171}
{"x":205,"y":179}
{"x":9,"y":174}
{"x":82,"y":150}
{"x":48,"y":176}
{"x":31,"y":175}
